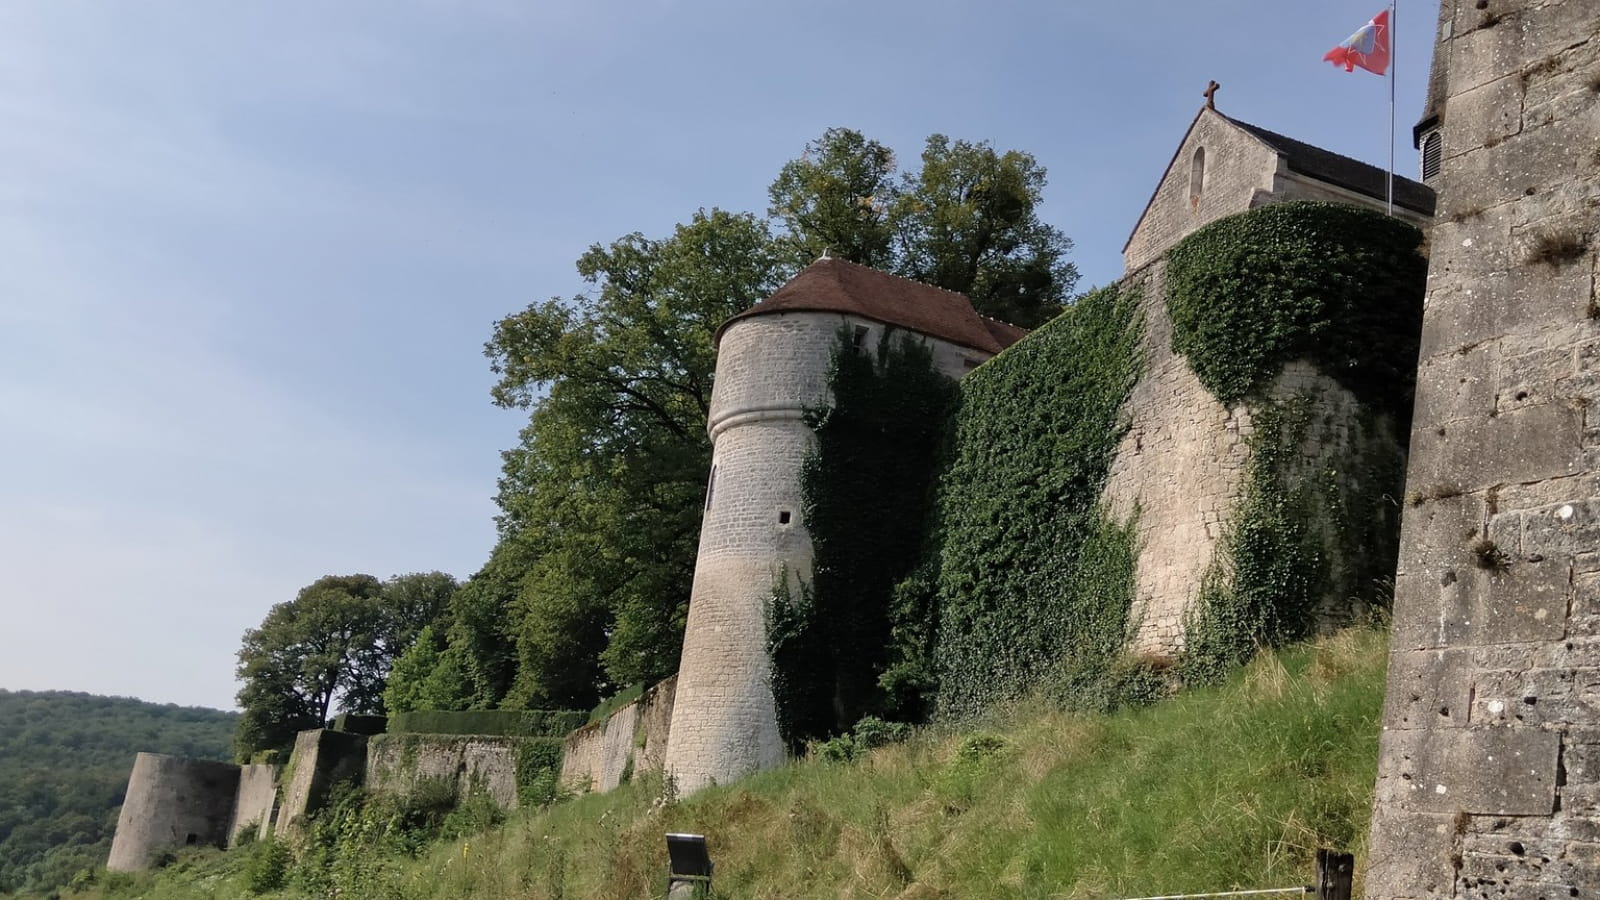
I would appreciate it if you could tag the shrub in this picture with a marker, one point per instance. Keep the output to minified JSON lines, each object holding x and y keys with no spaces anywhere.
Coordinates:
{"x":266,"y":868}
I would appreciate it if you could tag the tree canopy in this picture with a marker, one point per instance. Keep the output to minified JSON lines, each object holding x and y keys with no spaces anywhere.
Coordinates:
{"x":600,"y":501}
{"x":333,"y":643}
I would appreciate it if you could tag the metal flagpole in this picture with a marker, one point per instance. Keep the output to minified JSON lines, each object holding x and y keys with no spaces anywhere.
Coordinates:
{"x":1394,"y":52}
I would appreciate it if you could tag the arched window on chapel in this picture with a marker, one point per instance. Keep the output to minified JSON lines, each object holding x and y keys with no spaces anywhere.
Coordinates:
{"x":1197,"y":175}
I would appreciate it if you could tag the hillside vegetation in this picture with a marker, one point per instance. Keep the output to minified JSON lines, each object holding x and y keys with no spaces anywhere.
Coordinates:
{"x":64,"y":763}
{"x":1220,"y":787}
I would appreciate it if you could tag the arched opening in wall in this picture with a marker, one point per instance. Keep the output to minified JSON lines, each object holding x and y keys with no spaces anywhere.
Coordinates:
{"x":1432,"y":151}
{"x":1197,"y":175}
{"x":191,"y":840}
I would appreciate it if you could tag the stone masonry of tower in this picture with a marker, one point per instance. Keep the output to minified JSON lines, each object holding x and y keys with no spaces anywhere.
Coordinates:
{"x":1489,"y":771}
{"x":771,"y":366}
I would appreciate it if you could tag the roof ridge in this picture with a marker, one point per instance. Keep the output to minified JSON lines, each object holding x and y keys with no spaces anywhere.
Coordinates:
{"x":994,"y":319}
{"x":1267,"y":135}
{"x":878,"y":271}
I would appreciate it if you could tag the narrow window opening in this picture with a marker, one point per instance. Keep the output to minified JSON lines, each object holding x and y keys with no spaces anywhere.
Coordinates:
{"x":1432,"y":150}
{"x":192,"y":839}
{"x":783,"y":517}
{"x":1197,"y":174}
{"x":711,"y":486}
{"x":859,"y":339}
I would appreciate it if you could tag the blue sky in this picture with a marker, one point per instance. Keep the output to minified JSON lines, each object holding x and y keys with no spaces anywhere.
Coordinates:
{"x":249,"y":252}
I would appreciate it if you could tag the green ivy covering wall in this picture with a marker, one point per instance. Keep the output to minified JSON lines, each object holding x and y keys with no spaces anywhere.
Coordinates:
{"x":1316,"y":528}
{"x":1032,"y":579}
{"x":867,"y":490}
{"x":1338,"y":285}
{"x":1314,"y":536}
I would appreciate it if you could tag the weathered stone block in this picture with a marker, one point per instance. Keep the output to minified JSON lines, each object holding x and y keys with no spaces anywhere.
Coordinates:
{"x":1523,"y":445}
{"x":1495,"y":771}
{"x":1428,"y":689}
{"x":1440,"y":525}
{"x":1409,"y":855}
{"x":1486,"y":114}
{"x":1456,"y":385}
{"x":1564,"y":529}
{"x":1536,"y":697}
{"x":1470,"y":606}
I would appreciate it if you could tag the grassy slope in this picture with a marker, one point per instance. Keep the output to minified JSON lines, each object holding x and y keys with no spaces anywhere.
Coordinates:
{"x":1226,"y":787}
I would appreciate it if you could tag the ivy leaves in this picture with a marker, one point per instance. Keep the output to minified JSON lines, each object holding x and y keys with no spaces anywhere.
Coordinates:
{"x":1022,"y":539}
{"x":1338,"y":285}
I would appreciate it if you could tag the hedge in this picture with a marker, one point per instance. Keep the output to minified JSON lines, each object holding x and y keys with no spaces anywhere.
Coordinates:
{"x":551,"y":723}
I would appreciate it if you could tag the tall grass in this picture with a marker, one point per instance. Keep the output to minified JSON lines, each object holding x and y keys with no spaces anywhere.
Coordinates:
{"x":1227,"y":787}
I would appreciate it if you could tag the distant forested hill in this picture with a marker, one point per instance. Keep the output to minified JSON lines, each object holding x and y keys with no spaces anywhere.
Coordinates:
{"x":64,"y":762}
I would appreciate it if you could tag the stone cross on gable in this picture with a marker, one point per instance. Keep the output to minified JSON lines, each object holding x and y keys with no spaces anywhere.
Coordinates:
{"x":1211,"y":95}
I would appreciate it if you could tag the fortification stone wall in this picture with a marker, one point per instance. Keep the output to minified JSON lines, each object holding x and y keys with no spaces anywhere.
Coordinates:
{"x":632,"y":739}
{"x":1180,"y":466}
{"x":1182,"y":463}
{"x":256,"y":803}
{"x":769,"y":370}
{"x":398,"y":763}
{"x":1489,"y":777}
{"x":172,"y":802}
{"x":321,"y":759}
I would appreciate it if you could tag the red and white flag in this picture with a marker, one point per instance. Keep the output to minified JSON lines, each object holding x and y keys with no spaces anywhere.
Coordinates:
{"x":1367,"y":48}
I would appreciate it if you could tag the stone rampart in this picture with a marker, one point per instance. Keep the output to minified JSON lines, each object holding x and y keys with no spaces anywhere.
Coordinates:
{"x":321,"y":759}
{"x":600,"y":755}
{"x":171,"y":803}
{"x":399,"y":763}
{"x":1489,"y":774}
{"x":1182,"y":465}
{"x":256,"y":804}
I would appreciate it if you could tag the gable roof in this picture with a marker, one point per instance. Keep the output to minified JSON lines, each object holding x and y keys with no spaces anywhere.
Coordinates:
{"x":834,"y":285}
{"x":1351,"y":174}
{"x":1323,"y":165}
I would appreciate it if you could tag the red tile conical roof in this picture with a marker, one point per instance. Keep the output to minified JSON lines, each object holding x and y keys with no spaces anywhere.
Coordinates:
{"x":834,"y":285}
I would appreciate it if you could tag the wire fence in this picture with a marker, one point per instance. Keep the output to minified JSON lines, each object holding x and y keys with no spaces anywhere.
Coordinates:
{"x":1299,"y":889}
{"x":1335,"y":872}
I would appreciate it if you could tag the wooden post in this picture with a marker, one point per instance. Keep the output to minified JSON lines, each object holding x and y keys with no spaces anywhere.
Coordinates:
{"x":1334,"y":873}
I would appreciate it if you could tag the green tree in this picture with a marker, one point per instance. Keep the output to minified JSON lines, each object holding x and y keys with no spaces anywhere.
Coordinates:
{"x":333,"y":642}
{"x":836,"y":197}
{"x":411,"y":603}
{"x":601,"y":500}
{"x":968,"y":222}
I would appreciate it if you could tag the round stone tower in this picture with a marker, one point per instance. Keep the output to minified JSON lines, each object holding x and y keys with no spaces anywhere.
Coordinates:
{"x":772,"y":364}
{"x":172,"y":802}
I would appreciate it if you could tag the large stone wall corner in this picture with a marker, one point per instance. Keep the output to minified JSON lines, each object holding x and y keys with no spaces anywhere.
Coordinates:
{"x":321,"y":760}
{"x":1489,"y":762}
{"x":632,"y":740}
